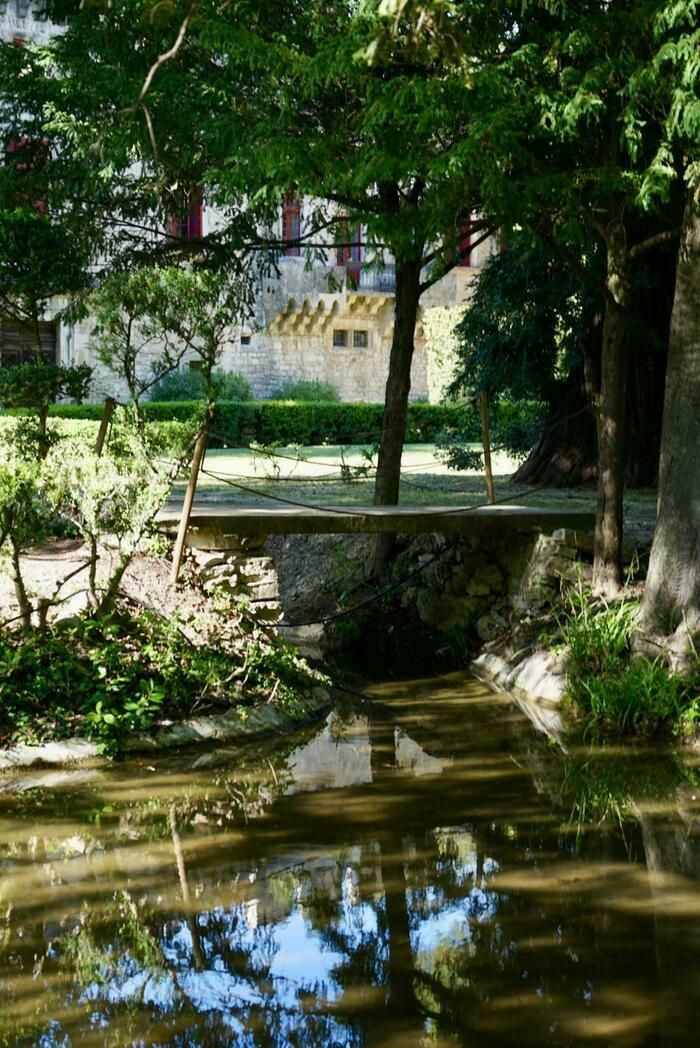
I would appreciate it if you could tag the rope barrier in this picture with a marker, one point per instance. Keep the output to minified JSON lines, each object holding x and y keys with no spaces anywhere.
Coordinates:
{"x":343,"y":511}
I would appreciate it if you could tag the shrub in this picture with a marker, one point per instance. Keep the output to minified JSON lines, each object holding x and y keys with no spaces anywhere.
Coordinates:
{"x":189,"y":384}
{"x":34,"y":386}
{"x":610,"y":690}
{"x":108,"y":677}
{"x":307,"y":391}
{"x":162,"y":437}
{"x":515,"y":428}
{"x":240,"y":423}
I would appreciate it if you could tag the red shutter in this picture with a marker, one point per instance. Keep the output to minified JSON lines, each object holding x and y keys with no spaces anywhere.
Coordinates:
{"x":31,"y":155}
{"x":350,"y":252}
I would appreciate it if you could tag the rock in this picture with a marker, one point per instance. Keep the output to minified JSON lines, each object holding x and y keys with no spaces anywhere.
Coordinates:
{"x":205,"y":559}
{"x":581,"y":541}
{"x":535,"y":678}
{"x":558,"y":567}
{"x":445,"y":611}
{"x":490,"y":626}
{"x":309,"y":640}
{"x":65,"y":752}
{"x":488,"y":579}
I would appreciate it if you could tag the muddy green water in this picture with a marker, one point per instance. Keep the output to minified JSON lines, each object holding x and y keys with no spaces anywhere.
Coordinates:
{"x":422,"y":870}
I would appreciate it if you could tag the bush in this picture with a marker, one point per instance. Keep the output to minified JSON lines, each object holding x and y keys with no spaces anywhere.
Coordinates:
{"x":607,"y":688}
{"x":515,"y":428}
{"x":189,"y":384}
{"x":240,"y":423}
{"x":162,"y":437}
{"x":307,"y":390}
{"x":108,"y":677}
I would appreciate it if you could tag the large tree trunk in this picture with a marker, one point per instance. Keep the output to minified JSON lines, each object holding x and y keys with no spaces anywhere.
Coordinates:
{"x":672,"y":593}
{"x":607,"y":559}
{"x":398,"y":385}
{"x":567,"y":452}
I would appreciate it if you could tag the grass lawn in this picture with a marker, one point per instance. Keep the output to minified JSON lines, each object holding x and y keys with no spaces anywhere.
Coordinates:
{"x":330,"y":475}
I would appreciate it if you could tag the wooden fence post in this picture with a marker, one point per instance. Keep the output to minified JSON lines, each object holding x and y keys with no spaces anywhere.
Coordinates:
{"x":197,"y":458}
{"x":107,"y":412}
{"x":486,"y":440}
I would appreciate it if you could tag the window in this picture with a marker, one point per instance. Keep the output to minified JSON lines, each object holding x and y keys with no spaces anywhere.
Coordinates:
{"x":187,"y":225}
{"x":245,"y":340}
{"x":350,"y":251}
{"x":22,"y":8}
{"x":340,"y":338}
{"x":29,"y":155}
{"x":18,"y":342}
{"x":291,"y":223}
{"x":360,"y":339}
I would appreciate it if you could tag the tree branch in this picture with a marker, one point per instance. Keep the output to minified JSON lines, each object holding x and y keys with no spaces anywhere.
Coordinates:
{"x":171,"y":53}
{"x":659,"y":238}
{"x":454,"y":262}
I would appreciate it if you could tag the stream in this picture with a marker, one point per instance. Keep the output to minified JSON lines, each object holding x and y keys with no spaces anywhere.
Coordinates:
{"x":419,"y":869}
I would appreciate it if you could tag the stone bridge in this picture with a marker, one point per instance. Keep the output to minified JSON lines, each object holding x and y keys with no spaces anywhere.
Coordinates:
{"x":228,"y":540}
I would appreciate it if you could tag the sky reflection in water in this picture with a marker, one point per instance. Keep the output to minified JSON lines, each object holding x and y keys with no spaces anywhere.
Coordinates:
{"x":423,"y":871}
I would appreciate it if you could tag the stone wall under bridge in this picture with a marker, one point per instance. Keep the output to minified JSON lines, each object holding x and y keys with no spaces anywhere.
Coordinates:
{"x":484,"y":584}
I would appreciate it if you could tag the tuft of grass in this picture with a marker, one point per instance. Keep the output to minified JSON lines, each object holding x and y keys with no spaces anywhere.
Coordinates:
{"x":609,"y":689}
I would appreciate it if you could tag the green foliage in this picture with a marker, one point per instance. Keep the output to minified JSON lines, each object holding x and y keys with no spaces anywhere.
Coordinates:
{"x":608,"y":689}
{"x":191,"y":384}
{"x":271,"y":422}
{"x":36,"y":385}
{"x":611,"y":784}
{"x":149,"y":319}
{"x":24,"y":514}
{"x":314,"y":391}
{"x":523,"y":328}
{"x":79,"y":424}
{"x":116,"y":492}
{"x":515,"y":428}
{"x":110,"y":677}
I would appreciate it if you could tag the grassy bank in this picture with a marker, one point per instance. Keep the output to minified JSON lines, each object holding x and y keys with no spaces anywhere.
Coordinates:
{"x":611,"y":690}
{"x":136,"y":670}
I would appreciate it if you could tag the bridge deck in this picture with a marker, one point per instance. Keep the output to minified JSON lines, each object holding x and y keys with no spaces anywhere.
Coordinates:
{"x":241,"y":520}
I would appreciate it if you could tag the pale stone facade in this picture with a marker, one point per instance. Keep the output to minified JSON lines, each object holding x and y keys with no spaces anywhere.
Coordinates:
{"x":310,"y":321}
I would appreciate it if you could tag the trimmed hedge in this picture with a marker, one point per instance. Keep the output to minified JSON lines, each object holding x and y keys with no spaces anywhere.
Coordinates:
{"x":240,"y":423}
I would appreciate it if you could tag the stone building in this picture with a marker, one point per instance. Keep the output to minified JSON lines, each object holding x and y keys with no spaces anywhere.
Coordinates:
{"x":313,"y":320}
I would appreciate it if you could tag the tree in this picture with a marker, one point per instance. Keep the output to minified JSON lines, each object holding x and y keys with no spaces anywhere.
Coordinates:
{"x":315,"y":97}
{"x":672,"y":593}
{"x":150,"y":319}
{"x":532,"y":330}
{"x":670,"y":612}
{"x":573,"y":167}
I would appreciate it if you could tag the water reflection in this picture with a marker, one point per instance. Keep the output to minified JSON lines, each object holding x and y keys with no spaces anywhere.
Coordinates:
{"x":422,"y":871}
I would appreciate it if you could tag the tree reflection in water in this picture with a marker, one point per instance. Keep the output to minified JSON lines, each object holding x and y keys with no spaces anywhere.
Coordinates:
{"x":423,"y":872}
